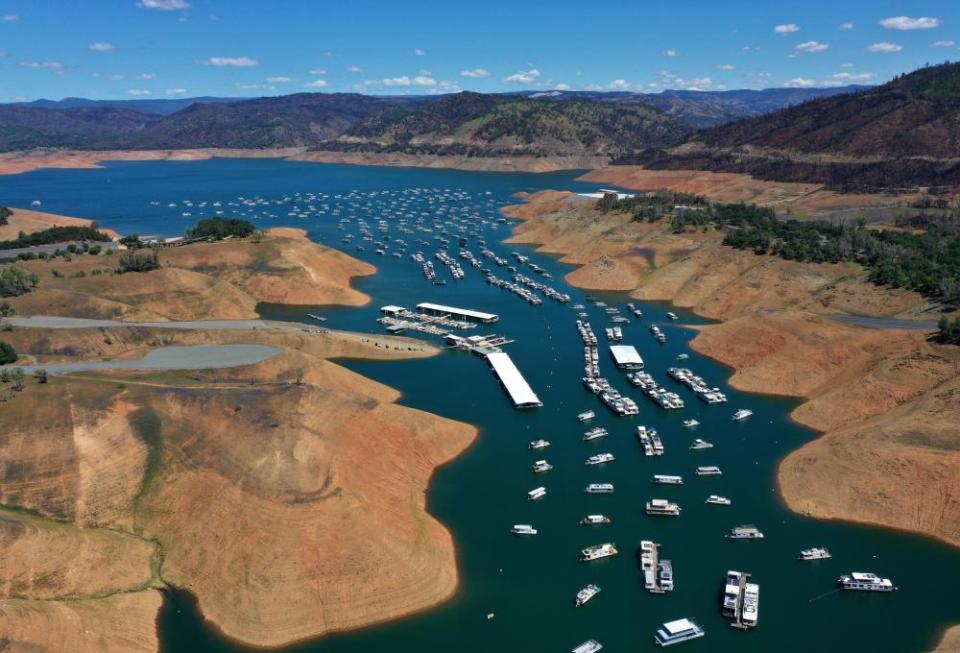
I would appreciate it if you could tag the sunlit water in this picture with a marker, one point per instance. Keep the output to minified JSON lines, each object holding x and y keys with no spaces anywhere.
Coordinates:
{"x":529,"y":584}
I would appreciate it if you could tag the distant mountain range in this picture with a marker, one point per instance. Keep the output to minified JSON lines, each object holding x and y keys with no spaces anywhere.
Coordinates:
{"x":905,"y":133}
{"x":475,"y":124}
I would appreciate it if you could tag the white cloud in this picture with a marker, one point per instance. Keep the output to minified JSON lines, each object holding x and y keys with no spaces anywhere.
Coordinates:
{"x":725,"y":66}
{"x":54,"y":66}
{"x":10,"y":18}
{"x":146,"y":76}
{"x":419,"y":52}
{"x":562,"y":87}
{"x":523,"y":77}
{"x":424,"y":80}
{"x":885,"y":47}
{"x":164,"y":5}
{"x":812,"y":46}
{"x":175,"y":91}
{"x":800,"y":82}
{"x":354,"y":69}
{"x":139,"y":92}
{"x":317,"y":83}
{"x":619,"y":85}
{"x":671,"y":53}
{"x":852,"y":78}
{"x":100,"y":46}
{"x":396,"y":81}
{"x":846,"y":26}
{"x":907,"y":23}
{"x":695,"y":84}
{"x":278,"y":80}
{"x":239,"y":62}
{"x":477,"y":73}
{"x":943,"y":44}
{"x":787,"y":28}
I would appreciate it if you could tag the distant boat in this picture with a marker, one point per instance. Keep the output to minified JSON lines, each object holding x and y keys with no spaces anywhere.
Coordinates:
{"x":318,"y":318}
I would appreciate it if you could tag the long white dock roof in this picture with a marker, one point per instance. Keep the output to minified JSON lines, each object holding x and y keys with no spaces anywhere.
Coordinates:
{"x":625,"y":355}
{"x":463,"y":312}
{"x":520,"y":392}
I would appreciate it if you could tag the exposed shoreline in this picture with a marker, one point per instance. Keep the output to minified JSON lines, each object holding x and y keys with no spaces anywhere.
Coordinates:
{"x":275,"y":495}
{"x":27,"y":161}
{"x":880,"y":398}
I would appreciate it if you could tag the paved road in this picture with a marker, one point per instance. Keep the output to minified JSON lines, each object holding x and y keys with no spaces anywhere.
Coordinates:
{"x":197,"y":357}
{"x":50,"y":322}
{"x":886,"y":323}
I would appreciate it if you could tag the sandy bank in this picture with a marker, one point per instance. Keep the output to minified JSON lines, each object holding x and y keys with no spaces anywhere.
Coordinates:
{"x":200,"y":281}
{"x":950,"y":642}
{"x":885,"y":399}
{"x":29,"y":221}
{"x":19,"y":162}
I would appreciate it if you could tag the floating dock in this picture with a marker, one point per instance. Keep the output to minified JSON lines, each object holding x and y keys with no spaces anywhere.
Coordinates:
{"x":464,"y":313}
{"x":626,"y":357}
{"x":516,"y":386}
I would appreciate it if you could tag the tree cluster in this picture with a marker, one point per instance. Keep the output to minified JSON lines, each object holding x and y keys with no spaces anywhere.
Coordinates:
{"x":16,"y":281}
{"x":133,"y":261}
{"x":55,"y":235}
{"x":220,"y":228}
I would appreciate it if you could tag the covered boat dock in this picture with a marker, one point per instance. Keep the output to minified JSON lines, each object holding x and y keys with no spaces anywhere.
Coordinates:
{"x":513,"y":382}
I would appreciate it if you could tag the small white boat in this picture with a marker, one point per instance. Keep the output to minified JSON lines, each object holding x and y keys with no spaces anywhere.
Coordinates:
{"x":662,"y":507}
{"x":864,"y":581}
{"x":708,"y":470}
{"x":600,"y":459}
{"x":595,"y":520}
{"x":523,"y":529}
{"x":667,"y":479}
{"x":690,"y":423}
{"x":718,"y":500}
{"x":742,"y":414}
{"x":599,"y":488}
{"x":816,"y":553}
{"x":679,"y":630}
{"x":598,"y":551}
{"x":589,"y":646}
{"x":699,"y":444}
{"x":541,"y":466}
{"x":745,"y":532}
{"x":537,"y":493}
{"x":536,"y":445}
{"x":672,"y":316}
{"x":594,"y":433}
{"x":586,"y":594}
{"x":586,"y":415}
{"x":682,"y":357}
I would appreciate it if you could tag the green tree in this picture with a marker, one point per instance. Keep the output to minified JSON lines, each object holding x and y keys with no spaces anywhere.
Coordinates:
{"x":7,"y":353}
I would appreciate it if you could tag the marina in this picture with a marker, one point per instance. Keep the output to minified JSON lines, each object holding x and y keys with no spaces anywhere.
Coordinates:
{"x":521,"y":394}
{"x":549,"y":353}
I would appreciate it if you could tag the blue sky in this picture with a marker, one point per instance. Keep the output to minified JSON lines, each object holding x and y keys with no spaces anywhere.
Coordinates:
{"x":180,"y":48}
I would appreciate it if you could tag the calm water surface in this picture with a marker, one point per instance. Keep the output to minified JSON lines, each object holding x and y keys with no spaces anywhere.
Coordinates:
{"x":530,"y":583}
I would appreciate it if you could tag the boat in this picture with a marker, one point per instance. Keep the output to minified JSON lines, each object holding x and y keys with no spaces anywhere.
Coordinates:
{"x":816,"y":553}
{"x":594,"y":433}
{"x":751,"y":605}
{"x":589,"y":646}
{"x":662,"y":507}
{"x":523,"y":529}
{"x":536,"y":445}
{"x":679,"y":630}
{"x":537,"y":493}
{"x":542,"y":466}
{"x":718,"y":500}
{"x":586,"y":415}
{"x":599,"y":488}
{"x":672,"y":316}
{"x":586,"y":594}
{"x":667,"y":479}
{"x":595,"y":520}
{"x":742,"y":414}
{"x":682,"y":357}
{"x":730,"y":604}
{"x":665,"y":575}
{"x":745,"y":532}
{"x":690,"y":423}
{"x":708,"y":470}
{"x":598,"y":551}
{"x":701,"y":444}
{"x":600,"y":459}
{"x":318,"y":318}
{"x":864,"y":581}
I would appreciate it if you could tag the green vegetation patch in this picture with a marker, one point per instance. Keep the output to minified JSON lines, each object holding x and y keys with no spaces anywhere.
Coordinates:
{"x":4,"y":214}
{"x":16,"y":281}
{"x":148,"y":427}
{"x":220,"y":228}
{"x":55,"y":235}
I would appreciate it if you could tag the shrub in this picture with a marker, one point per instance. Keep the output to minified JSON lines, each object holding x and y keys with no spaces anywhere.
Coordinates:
{"x":133,"y":261}
{"x":15,"y":281}
{"x":220,"y":228}
{"x":7,"y":353}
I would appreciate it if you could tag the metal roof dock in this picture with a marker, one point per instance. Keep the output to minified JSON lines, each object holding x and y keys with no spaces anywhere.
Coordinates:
{"x":626,"y":357}
{"x":516,"y":386}
{"x":440,"y":309}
